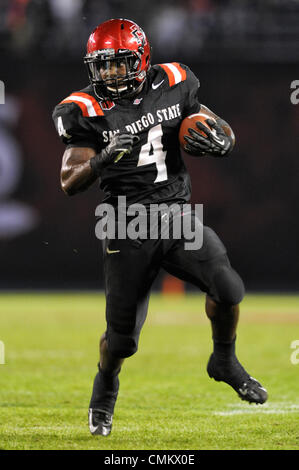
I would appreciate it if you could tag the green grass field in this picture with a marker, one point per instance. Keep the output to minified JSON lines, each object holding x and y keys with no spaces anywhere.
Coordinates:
{"x":166,"y":399}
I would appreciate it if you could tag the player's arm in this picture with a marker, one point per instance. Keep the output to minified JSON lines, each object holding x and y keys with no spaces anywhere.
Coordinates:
{"x":81,"y":166}
{"x":76,"y":174}
{"x":220,"y":139}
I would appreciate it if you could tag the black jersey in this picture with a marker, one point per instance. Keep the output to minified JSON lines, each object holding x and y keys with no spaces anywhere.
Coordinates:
{"x":154,"y":172}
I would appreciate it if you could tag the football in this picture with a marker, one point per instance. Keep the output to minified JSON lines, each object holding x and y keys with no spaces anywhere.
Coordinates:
{"x":190,"y":122}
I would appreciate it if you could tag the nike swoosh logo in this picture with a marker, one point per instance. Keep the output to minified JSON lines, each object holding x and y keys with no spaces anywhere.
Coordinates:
{"x":157,"y":86}
{"x":218,"y":140}
{"x":91,"y":426}
{"x":111,"y":251}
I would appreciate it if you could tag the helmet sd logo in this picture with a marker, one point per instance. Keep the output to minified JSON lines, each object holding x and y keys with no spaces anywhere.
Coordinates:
{"x":138,"y":34}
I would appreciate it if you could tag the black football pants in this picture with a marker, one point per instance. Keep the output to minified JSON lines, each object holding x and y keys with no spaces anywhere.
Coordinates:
{"x":131,"y":266}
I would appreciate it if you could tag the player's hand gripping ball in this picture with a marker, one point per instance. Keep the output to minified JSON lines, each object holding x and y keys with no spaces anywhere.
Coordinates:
{"x":200,"y":134}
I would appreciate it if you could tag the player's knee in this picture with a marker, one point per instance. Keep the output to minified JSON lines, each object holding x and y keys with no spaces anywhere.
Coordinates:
{"x":228,"y":285}
{"x":120,"y":345}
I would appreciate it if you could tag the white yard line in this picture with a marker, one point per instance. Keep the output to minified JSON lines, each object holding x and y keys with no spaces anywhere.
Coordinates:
{"x":270,"y":408}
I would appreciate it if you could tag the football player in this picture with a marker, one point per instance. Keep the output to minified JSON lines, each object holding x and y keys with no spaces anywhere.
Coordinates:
{"x":122,"y":129}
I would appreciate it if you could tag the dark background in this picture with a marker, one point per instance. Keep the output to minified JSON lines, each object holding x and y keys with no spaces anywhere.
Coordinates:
{"x":245,"y":54}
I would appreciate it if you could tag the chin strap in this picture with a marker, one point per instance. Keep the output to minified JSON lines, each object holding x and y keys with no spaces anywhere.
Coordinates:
{"x":132,"y":94}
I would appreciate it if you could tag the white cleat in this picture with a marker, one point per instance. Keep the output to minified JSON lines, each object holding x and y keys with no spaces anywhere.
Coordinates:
{"x":100,"y":422}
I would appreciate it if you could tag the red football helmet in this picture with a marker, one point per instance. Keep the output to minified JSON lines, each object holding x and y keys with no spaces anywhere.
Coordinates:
{"x":118,"y":58}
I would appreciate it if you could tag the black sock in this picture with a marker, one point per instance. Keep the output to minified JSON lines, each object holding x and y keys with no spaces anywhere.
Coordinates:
{"x":104,"y":393}
{"x":224,"y":350}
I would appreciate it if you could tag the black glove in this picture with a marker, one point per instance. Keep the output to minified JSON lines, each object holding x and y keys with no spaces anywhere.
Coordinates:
{"x":217,"y":143}
{"x":120,"y":145}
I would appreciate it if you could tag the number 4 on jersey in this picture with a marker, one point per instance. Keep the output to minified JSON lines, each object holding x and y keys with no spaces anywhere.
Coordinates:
{"x":152,"y":152}
{"x":60,"y":128}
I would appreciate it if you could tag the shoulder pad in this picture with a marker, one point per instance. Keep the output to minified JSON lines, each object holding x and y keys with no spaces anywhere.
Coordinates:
{"x":86,"y":102}
{"x":175,"y":72}
{"x":72,"y":128}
